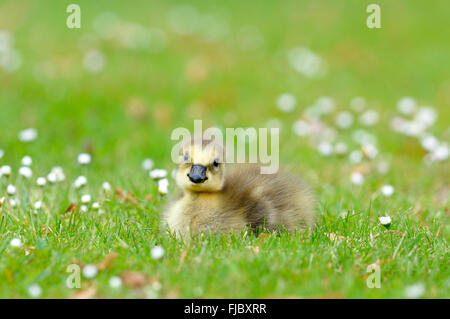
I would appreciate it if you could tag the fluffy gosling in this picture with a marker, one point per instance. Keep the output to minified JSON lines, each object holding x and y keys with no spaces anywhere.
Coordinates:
{"x":218,"y":197}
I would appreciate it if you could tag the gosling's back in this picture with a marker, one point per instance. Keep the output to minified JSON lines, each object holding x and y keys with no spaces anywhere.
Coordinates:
{"x":273,"y":201}
{"x":247,"y":199}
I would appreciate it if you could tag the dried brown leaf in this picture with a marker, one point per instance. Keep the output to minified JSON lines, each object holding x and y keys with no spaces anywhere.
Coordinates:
{"x":107,"y":261}
{"x":72,"y":208}
{"x":255,"y":249}
{"x":87,"y":293}
{"x":134,"y":279}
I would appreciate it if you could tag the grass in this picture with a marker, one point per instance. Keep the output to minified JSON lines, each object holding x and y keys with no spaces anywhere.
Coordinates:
{"x":126,"y":112}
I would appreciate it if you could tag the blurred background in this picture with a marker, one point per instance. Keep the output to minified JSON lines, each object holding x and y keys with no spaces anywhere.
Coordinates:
{"x":339,"y":91}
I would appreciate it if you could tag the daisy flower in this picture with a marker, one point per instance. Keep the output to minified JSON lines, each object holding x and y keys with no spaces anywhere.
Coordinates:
{"x":406,"y":105}
{"x":38,"y":205}
{"x":387,"y":190}
{"x":27,"y":161}
{"x":28,"y":135}
{"x":415,"y":291}
{"x":158,"y":173}
{"x":15,"y":242}
{"x":11,"y":189}
{"x":41,"y":181}
{"x":84,"y":159}
{"x":5,"y":170}
{"x":344,"y":119}
{"x":85,"y":199}
{"x":90,"y":271}
{"x":56,"y":175}
{"x":106,"y":186}
{"x":286,"y":102}
{"x":357,"y":178}
{"x":34,"y":291}
{"x":147,"y":164}
{"x":115,"y":282}
{"x":163,"y":186}
{"x":25,"y":171}
{"x":157,"y":252}
{"x":80,"y":182}
{"x":385,"y":220}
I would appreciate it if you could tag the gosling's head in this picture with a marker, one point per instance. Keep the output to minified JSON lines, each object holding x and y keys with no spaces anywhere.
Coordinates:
{"x":201,"y":167}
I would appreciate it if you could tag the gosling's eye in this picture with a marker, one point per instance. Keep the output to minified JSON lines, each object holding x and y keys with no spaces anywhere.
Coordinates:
{"x":186,"y":157}
{"x":216,"y":163}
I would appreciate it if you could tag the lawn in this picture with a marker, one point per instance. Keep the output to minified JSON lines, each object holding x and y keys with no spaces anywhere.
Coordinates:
{"x":119,"y":85}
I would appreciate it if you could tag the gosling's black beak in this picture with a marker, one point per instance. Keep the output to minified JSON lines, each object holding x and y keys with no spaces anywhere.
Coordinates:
{"x":197,"y":174}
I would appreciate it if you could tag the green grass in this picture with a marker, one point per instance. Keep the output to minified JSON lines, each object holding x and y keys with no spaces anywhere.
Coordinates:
{"x":127,"y":111}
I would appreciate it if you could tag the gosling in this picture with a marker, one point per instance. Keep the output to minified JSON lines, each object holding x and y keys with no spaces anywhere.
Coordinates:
{"x":227,"y":198}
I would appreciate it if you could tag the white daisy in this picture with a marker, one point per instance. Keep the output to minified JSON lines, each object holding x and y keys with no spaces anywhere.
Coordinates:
{"x":28,"y":135}
{"x":85,"y":199}
{"x":406,"y":105}
{"x":357,"y":178}
{"x":84,"y":159}
{"x":387,"y":190}
{"x":358,"y":104}
{"x":41,"y":181}
{"x":95,"y":205}
{"x":301,"y":128}
{"x":106,"y":186}
{"x":369,"y":118}
{"x":307,"y":62}
{"x":383,"y":167}
{"x":38,"y":205}
{"x":15,"y":242}
{"x":385,"y":220}
{"x":441,"y":153}
{"x":94,"y":61}
{"x":51,"y":177}
{"x":5,"y":170}
{"x":325,"y":104}
{"x":163,"y":186}
{"x":325,"y":148}
{"x":415,"y":291}
{"x":426,"y":115}
{"x":429,"y":143}
{"x":83,"y":208}
{"x":286,"y":102}
{"x":34,"y":291}
{"x":90,"y":271}
{"x":147,"y":164}
{"x":158,"y":173}
{"x":340,"y":148}
{"x":80,"y":181}
{"x":56,"y":175}
{"x":369,"y":150}
{"x":157,"y":252}
{"x":11,"y":189}
{"x":355,"y":157}
{"x":115,"y":282}
{"x":27,"y":161}
{"x":25,"y":171}
{"x":13,"y":203}
{"x":344,"y":119}
{"x":362,"y":137}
